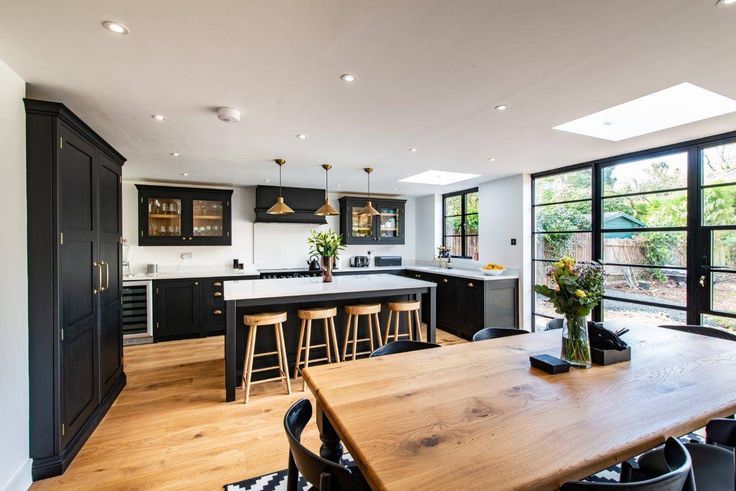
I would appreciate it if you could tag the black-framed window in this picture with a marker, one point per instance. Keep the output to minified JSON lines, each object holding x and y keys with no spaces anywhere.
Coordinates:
{"x":662,"y":222}
{"x":460,"y":222}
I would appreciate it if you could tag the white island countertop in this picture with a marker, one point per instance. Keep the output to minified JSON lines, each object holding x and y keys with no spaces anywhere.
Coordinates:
{"x":297,"y":287}
{"x":470,"y":274}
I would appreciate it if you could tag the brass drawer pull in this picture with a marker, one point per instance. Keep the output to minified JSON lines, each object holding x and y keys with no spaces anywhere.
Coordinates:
{"x":217,"y":312}
{"x":217,"y":294}
{"x":196,"y":283}
{"x":216,"y":283}
{"x":417,"y":276}
{"x":444,"y":280}
{"x":470,"y":285}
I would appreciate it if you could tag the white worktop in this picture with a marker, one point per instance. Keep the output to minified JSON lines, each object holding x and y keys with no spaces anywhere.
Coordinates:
{"x":178,"y":275}
{"x":296,"y":287}
{"x":464,"y":273}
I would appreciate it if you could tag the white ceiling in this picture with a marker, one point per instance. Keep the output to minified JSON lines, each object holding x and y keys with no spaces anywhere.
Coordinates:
{"x":429,"y":74}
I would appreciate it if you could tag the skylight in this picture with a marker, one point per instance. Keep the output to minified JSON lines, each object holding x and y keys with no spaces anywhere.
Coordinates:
{"x":681,"y":104}
{"x":438,"y":177}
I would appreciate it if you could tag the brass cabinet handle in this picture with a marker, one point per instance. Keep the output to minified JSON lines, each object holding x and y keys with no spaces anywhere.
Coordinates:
{"x":417,"y":276}
{"x":107,"y":275}
{"x":99,"y":280}
{"x":217,"y":312}
{"x":217,"y":294}
{"x":216,"y":283}
{"x":190,"y":238}
{"x":444,"y":280}
{"x":196,"y":283}
{"x":470,"y":285}
{"x":183,"y":238}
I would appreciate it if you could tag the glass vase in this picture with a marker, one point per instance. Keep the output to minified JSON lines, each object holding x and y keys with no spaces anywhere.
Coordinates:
{"x":575,"y":343}
{"x":327,"y":269}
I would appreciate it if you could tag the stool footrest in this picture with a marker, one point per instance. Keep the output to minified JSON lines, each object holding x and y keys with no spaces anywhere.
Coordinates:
{"x":314,"y":346}
{"x":313,"y":361}
{"x":265,"y":369}
{"x":273,"y":379}
{"x":270,"y":353}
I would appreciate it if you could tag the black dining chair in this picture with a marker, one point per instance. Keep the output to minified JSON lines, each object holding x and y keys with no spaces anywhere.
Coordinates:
{"x":402,"y":346}
{"x":322,"y":474}
{"x":497,"y":332}
{"x":712,"y":332}
{"x":713,"y":466}
{"x":553,"y":324}
{"x":676,"y":477}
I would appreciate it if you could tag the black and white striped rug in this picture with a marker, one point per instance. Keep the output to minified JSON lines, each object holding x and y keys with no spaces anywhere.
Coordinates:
{"x":276,"y":481}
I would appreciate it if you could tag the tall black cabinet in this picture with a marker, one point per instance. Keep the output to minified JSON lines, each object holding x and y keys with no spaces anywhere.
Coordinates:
{"x":74,"y":282}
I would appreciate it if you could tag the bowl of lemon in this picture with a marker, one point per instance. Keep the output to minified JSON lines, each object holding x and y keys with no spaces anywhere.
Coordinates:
{"x":493,"y":269}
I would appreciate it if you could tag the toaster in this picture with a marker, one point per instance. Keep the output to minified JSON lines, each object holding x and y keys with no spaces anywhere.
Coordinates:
{"x":359,"y":262}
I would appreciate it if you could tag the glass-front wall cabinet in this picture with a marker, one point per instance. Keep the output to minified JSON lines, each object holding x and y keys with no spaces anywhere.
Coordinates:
{"x":172,"y":216}
{"x":358,"y":228}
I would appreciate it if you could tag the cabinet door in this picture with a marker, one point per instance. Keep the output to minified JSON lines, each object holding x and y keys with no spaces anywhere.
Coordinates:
{"x":80,"y":282}
{"x":449,"y":309}
{"x":178,"y":308}
{"x":474,"y":306}
{"x":390,"y":224}
{"x":110,"y":260}
{"x":161,"y":219}
{"x":210,"y":220}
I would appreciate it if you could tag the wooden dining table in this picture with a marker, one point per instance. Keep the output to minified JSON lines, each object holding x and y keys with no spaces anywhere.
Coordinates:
{"x":477,"y":416}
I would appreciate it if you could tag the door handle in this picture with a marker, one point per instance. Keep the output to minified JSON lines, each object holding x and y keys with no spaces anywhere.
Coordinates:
{"x":217,"y":312}
{"x":470,"y":285}
{"x":196,"y":283}
{"x":99,"y":278}
{"x":107,"y":275}
{"x":702,"y":280}
{"x":444,"y":280}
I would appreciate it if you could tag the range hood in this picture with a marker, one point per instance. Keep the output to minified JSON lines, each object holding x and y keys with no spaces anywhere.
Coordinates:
{"x":304,"y":202}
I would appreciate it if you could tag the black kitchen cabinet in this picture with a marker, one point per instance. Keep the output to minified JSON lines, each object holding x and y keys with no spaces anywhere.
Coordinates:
{"x":178,"y":308}
{"x":192,"y":216}
{"x":386,"y":228}
{"x":74,"y":282}
{"x":465,"y":306}
{"x":190,"y":308}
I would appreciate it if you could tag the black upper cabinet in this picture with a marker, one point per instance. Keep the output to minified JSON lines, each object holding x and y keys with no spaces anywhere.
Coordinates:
{"x":386,"y":228}
{"x":193,"y":216}
{"x":74,"y":282}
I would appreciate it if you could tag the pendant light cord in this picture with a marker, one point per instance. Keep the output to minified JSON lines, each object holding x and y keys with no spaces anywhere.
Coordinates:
{"x":327,"y":183}
{"x":280,"y":194}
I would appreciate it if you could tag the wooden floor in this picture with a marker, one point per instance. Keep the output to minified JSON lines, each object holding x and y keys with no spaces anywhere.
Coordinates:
{"x":170,"y":429}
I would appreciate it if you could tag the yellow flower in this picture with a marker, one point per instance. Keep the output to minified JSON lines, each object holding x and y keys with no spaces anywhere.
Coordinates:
{"x":580,"y":294}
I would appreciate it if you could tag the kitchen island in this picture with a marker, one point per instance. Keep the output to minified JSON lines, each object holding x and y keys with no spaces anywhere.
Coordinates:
{"x":290,"y":294}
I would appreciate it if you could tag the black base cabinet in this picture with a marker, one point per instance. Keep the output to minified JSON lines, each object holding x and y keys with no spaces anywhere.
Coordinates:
{"x":466,"y":306}
{"x":74,"y":282}
{"x":189,"y":308}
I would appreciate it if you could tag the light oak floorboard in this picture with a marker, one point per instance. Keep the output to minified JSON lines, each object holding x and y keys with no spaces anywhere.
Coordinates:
{"x":169,"y":428}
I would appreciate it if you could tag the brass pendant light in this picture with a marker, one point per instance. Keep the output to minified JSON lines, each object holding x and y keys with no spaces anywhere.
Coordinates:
{"x":368,"y":208}
{"x":280,"y":208}
{"x":326,"y":209}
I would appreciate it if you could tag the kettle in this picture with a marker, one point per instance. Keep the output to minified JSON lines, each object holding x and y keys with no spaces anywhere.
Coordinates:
{"x":313,"y":263}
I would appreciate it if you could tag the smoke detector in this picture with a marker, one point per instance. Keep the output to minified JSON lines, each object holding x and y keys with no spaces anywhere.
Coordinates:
{"x":228,"y":114}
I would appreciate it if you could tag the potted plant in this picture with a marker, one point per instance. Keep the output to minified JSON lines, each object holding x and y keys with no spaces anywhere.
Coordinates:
{"x":327,"y":245}
{"x":575,"y":289}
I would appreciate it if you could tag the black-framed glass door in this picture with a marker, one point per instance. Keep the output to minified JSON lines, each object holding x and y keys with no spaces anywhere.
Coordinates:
{"x":717,"y":236}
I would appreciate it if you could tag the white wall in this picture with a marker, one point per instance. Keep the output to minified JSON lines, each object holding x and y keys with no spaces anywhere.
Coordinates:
{"x":266,"y":245}
{"x":505,"y":213}
{"x":14,"y":462}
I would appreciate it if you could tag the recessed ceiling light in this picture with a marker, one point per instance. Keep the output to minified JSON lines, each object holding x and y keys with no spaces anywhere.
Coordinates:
{"x":302,"y":136}
{"x":175,"y":154}
{"x":185,"y":174}
{"x":158,"y":117}
{"x":438,"y":177}
{"x":725,"y":3}
{"x":491,"y":159}
{"x":681,"y":104}
{"x":348,"y":77}
{"x":115,"y":27}
{"x":412,"y":149}
{"x":501,"y":107}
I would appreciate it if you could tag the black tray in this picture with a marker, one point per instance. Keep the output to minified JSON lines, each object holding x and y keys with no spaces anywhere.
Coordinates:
{"x":609,"y":356}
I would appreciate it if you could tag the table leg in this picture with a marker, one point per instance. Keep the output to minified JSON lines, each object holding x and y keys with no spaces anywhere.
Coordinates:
{"x":231,"y":351}
{"x":432,"y":324}
{"x":331,"y":448}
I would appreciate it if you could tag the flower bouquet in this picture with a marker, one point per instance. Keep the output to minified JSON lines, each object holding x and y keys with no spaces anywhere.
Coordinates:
{"x":575,"y":290}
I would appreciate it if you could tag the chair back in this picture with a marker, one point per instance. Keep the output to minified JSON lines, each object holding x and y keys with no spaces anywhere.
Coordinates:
{"x":721,"y":432}
{"x":712,"y":332}
{"x":497,"y":332}
{"x":553,"y":324}
{"x":315,"y":469}
{"x":679,"y":477}
{"x":402,"y":346}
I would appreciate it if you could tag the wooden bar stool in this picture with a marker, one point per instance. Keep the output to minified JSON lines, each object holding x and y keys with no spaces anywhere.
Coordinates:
{"x":353,"y":315}
{"x":253,"y":322}
{"x":411,"y":306}
{"x":327,"y":314}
